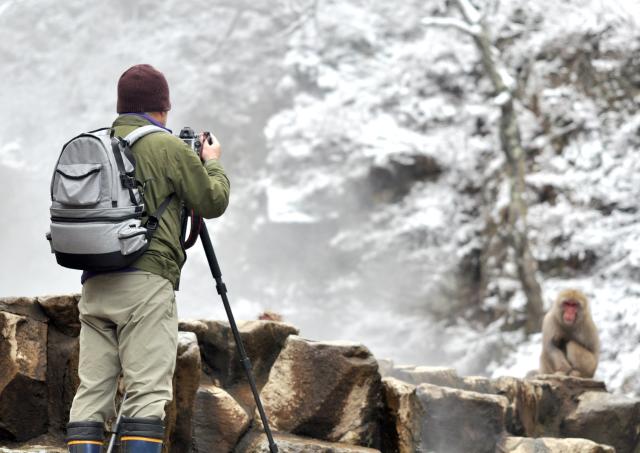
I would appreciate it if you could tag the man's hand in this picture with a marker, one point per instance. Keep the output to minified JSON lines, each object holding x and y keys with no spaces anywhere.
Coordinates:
{"x":212,"y":151}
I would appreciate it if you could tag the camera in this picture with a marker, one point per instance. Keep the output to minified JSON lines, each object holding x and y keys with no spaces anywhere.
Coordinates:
{"x":192,"y":139}
{"x":188,"y":136}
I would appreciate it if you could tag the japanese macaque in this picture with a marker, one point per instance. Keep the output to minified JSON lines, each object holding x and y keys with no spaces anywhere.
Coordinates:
{"x":570,"y":343}
{"x":270,"y":316}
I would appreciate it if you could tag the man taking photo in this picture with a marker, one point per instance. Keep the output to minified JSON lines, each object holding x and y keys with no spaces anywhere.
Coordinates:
{"x":128,"y":317}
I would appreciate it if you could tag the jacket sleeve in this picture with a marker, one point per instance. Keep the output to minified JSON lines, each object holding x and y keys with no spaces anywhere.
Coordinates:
{"x":203,"y":188}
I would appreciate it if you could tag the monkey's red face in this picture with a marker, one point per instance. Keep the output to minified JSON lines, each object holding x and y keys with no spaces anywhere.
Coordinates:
{"x":570,"y":310}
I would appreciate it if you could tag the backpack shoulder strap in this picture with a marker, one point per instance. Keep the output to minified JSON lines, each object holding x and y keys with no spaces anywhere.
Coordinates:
{"x":154,"y":219}
{"x":122,"y":146}
{"x":143,"y":131}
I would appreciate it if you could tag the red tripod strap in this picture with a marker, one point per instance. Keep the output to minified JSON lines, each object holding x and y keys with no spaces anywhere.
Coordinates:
{"x":196,"y":224}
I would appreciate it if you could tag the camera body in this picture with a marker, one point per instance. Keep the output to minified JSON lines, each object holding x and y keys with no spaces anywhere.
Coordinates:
{"x":192,"y":139}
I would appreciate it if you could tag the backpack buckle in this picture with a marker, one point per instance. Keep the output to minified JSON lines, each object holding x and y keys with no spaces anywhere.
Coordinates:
{"x":152,"y":223}
{"x":127,"y":181}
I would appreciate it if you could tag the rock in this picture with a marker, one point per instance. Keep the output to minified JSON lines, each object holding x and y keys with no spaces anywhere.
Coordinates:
{"x":62,"y":311}
{"x":25,"y":306}
{"x":393,"y":180}
{"x":573,"y":385}
{"x":460,"y":421}
{"x":219,"y":421}
{"x":538,"y":406}
{"x":605,"y":418}
{"x":479,"y":384}
{"x":402,"y":418}
{"x":262,"y":340}
{"x":185,"y":384}
{"x":198,"y":327}
{"x":533,"y":407}
{"x":62,"y":376}
{"x":34,"y":449}
{"x":385,"y":367}
{"x":441,"y":376}
{"x":551,"y":445}
{"x":257,"y":443}
{"x":45,"y":443}
{"x":23,"y":388}
{"x":326,"y":390}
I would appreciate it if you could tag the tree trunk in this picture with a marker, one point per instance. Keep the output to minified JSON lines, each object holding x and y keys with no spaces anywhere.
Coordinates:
{"x":519,"y":231}
{"x":511,"y":145}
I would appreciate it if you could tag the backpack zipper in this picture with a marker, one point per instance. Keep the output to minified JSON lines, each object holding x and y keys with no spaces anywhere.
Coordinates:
{"x":95,"y":219}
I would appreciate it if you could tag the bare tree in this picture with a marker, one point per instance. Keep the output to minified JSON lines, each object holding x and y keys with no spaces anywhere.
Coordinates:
{"x":474,"y":24}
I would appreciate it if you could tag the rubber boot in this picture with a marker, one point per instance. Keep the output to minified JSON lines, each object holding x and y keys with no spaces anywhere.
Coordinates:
{"x":141,"y":435}
{"x":85,"y":437}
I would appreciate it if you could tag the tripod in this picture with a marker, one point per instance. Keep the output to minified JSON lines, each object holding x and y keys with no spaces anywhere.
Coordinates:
{"x":198,"y":227}
{"x":246,"y":363}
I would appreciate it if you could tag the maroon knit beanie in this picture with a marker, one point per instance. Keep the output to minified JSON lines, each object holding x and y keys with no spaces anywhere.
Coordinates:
{"x":142,"y":88}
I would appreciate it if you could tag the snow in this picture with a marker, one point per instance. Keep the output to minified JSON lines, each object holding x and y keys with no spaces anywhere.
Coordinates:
{"x":281,"y":205}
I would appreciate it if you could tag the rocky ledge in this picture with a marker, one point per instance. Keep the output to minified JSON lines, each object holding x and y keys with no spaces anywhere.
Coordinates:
{"x":321,"y":397}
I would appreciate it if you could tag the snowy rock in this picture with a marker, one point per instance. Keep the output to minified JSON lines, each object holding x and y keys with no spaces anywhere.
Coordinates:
{"x":392,"y":181}
{"x":329,"y":391}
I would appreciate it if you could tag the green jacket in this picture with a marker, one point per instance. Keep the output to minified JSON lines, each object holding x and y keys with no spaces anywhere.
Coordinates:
{"x":166,"y":165}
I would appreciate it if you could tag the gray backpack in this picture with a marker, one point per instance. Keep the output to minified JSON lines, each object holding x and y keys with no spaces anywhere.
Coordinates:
{"x":96,"y":203}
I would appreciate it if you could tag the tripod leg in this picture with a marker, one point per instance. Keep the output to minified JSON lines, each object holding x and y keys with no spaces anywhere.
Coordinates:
{"x":246,"y":363}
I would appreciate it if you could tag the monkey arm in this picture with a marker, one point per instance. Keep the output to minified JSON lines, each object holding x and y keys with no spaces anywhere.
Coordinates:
{"x":583,"y":361}
{"x":553,"y":358}
{"x":558,"y":360}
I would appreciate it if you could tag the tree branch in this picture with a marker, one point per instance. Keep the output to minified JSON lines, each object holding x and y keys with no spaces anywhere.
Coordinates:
{"x":470,"y":13}
{"x":470,"y":29}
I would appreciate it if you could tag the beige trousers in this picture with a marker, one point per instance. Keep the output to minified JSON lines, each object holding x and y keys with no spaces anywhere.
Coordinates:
{"x":129,"y":324}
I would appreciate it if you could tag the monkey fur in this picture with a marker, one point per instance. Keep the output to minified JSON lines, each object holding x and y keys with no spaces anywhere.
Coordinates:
{"x":570,"y":343}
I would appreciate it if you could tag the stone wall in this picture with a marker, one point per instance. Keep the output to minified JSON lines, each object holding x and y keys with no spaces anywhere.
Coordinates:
{"x":319,"y":396}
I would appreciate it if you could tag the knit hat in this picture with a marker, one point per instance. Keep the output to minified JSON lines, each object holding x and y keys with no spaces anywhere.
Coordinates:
{"x":142,"y":88}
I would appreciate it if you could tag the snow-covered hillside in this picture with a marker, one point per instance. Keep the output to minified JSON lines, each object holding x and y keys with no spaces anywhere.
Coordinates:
{"x":393,"y":134}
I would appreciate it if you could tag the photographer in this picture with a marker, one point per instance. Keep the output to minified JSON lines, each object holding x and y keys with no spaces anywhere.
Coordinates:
{"x":128,"y":317}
